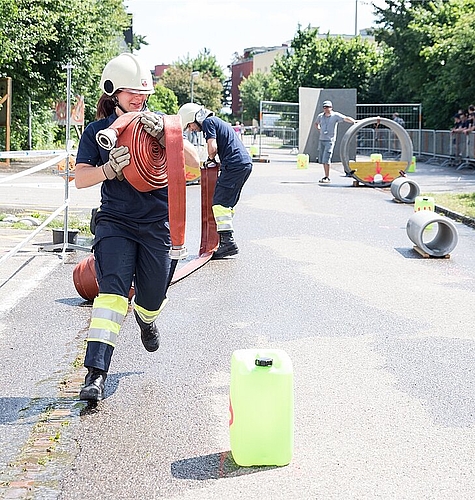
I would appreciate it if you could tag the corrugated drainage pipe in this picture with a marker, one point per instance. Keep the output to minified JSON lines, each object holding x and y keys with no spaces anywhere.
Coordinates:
{"x":401,"y":185}
{"x":440,"y":240}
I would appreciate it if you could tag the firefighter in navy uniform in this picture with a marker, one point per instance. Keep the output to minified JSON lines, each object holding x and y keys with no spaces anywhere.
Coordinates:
{"x":132,"y":236}
{"x":224,"y":146}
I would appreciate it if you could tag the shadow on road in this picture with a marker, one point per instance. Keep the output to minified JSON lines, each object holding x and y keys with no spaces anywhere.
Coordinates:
{"x":214,"y":466}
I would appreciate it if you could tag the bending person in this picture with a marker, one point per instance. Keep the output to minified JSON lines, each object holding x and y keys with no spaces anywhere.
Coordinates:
{"x":224,"y":147}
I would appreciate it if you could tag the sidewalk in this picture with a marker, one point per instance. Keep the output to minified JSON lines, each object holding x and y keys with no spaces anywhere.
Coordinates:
{"x":39,"y":193}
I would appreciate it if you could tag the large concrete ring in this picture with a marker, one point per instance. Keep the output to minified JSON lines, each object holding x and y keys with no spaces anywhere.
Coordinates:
{"x":397,"y":188}
{"x":401,"y":134}
{"x":442,"y":242}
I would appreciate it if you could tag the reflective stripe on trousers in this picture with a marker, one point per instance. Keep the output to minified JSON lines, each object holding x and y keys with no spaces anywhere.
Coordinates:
{"x":108,"y":313}
{"x":148,"y":316}
{"x":223,"y":217}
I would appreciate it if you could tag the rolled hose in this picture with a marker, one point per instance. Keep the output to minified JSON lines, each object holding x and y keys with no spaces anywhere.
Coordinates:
{"x":153,"y":167}
{"x":85,"y":280}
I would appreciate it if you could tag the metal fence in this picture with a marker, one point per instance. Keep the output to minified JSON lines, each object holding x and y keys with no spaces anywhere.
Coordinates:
{"x":279,"y":126}
{"x":440,"y":147}
{"x":410,"y":113}
{"x":55,"y":156}
{"x":443,"y":147}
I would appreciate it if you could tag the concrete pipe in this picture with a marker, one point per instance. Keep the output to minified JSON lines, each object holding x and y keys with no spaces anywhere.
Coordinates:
{"x":393,"y":168}
{"x":403,"y":185}
{"x":438,"y":241}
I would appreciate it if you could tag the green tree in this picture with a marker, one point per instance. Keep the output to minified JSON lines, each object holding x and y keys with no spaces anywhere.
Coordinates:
{"x":328,"y":62}
{"x":8,"y":10}
{"x":207,"y":64}
{"x":43,"y":36}
{"x":163,"y":100}
{"x":450,"y":52}
{"x":207,"y":85}
{"x":254,"y":89}
{"x":431,"y":47}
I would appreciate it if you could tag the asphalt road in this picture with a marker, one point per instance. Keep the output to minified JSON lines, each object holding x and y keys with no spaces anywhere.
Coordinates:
{"x":381,"y":340}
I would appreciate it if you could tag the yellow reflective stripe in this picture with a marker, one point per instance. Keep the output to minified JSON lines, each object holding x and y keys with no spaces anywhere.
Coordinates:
{"x":113,"y":302}
{"x":220,"y":211}
{"x":223,"y":217}
{"x":108,"y":313}
{"x":103,"y":331}
{"x":149,"y":316}
{"x":105,"y":324}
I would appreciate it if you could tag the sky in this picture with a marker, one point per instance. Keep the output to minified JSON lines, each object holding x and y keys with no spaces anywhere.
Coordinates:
{"x":177,"y":29}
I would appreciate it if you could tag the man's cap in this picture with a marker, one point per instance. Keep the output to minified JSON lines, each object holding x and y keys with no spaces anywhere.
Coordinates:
{"x":327,"y":103}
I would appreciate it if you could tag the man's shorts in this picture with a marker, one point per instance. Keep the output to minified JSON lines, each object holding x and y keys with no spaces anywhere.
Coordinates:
{"x":326,"y":151}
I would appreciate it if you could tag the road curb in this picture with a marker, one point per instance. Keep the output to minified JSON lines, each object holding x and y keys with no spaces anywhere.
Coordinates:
{"x":468,"y":221}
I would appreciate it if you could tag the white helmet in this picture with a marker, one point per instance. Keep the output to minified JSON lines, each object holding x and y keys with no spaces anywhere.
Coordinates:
{"x":126,"y":72}
{"x":192,"y":112}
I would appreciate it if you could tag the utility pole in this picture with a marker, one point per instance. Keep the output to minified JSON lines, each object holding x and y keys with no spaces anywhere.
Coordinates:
{"x":192,"y":78}
{"x":68,"y":67}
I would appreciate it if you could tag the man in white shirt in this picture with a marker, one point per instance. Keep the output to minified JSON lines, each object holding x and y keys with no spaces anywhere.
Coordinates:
{"x":326,"y":124}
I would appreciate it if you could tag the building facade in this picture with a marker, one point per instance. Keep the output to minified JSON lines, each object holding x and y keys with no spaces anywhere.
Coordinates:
{"x":254,"y":60}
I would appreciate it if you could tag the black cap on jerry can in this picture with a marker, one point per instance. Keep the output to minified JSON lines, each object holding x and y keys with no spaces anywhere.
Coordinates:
{"x":264,"y":361}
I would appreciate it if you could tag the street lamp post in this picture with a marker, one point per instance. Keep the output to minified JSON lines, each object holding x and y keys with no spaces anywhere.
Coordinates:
{"x":192,"y":78}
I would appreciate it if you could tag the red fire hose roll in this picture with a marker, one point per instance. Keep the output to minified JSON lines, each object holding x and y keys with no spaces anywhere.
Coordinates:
{"x":153,"y":167}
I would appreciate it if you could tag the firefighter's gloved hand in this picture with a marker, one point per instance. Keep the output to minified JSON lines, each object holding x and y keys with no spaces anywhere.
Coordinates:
{"x":153,"y":125}
{"x":209,"y":163}
{"x":119,"y":158}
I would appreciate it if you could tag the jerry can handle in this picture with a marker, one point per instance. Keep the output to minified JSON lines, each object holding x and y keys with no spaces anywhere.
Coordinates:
{"x":263,"y":361}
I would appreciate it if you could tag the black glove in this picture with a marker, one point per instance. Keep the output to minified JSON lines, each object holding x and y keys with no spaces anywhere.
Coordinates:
{"x":209,"y":163}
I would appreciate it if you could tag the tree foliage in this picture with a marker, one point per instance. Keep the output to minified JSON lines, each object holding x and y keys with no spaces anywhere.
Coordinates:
{"x":432,"y":47}
{"x":255,"y":88}
{"x":163,"y":100}
{"x":207,"y":85}
{"x":39,"y":37}
{"x":327,"y":62}
{"x":425,"y":52}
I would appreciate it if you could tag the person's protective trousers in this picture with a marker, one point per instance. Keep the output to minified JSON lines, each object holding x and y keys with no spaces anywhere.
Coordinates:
{"x":124,"y":254}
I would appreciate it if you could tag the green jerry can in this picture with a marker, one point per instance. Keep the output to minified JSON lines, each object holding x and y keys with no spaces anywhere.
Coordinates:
{"x":261,"y":407}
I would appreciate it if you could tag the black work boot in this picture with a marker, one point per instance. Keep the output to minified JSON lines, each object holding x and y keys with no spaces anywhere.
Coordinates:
{"x":227,"y":246}
{"x":149,"y":334}
{"x":93,"y":389}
